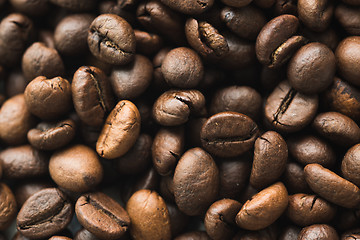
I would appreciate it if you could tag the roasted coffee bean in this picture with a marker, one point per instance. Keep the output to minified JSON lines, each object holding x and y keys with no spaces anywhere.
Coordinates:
{"x":310,"y":149}
{"x":15,"y":120}
{"x":294,"y":178}
{"x":318,"y":231}
{"x":52,"y":135}
{"x":338,"y":128}
{"x":75,"y":5}
{"x":189,"y":6}
{"x":71,"y":33}
{"x":23,"y":162}
{"x":220,"y":219}
{"x":305,"y":210}
{"x":331,"y":186}
{"x":92,"y":95}
{"x":196,"y":182}
{"x":48,"y":98}
{"x":15,"y":83}
{"x":285,"y":7}
{"x":167,"y":149}
{"x":277,"y":42}
{"x":270,"y":157}
{"x":178,"y":219}
{"x":40,"y":60}
{"x":264,"y":208}
{"x":287,"y":110}
{"x":112,"y":39}
{"x":120,"y":131}
{"x":315,"y":15}
{"x":102,"y":216}
{"x":44,"y":214}
{"x":8,"y":207}
{"x":76,"y":168}
{"x":290,"y":233}
{"x":174,"y":107}
{"x":329,"y":37}
{"x":312,"y":68}
{"x":233,"y":140}
{"x":166,"y":188}
{"x":149,"y":216}
{"x":27,"y":188}
{"x":32,"y":8}
{"x":349,"y":18}
{"x":131,"y":80}
{"x":147,"y":43}
{"x":349,"y":165}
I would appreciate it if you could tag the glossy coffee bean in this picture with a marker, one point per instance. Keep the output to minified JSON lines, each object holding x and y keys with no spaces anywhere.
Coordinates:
{"x":112,"y":39}
{"x":44,"y":214}
{"x":349,"y":18}
{"x":305,"y":210}
{"x":349,"y":165}
{"x":331,"y":186}
{"x":147,"y":43}
{"x":102,"y":216}
{"x":48,"y":98}
{"x":220,"y":219}
{"x":189,"y":6}
{"x":76,"y":168}
{"x":264,"y":208}
{"x":270,"y":157}
{"x":92,"y":95}
{"x":8,"y":207}
{"x":235,"y":139}
{"x":338,"y":128}
{"x":318,"y":231}
{"x":196,"y":182}
{"x":288,"y":110}
{"x":149,"y":216}
{"x":315,"y":15}
{"x":120,"y":131}
{"x":32,"y":8}
{"x":27,"y":188}
{"x":312,"y":68}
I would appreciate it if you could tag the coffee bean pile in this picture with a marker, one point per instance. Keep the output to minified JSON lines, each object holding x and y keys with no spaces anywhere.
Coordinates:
{"x":180,"y":119}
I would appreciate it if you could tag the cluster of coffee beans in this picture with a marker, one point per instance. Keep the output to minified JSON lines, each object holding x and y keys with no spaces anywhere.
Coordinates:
{"x":180,"y":119}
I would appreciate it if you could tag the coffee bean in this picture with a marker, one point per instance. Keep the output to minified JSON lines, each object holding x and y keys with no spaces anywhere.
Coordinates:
{"x":76,"y":168}
{"x":189,"y":6}
{"x":285,"y":7}
{"x":349,"y":18}
{"x":270,"y":157}
{"x":178,"y":219}
{"x":147,"y":43}
{"x":289,"y":233}
{"x":349,"y":165}
{"x":112,"y":39}
{"x":149,"y":216}
{"x":331,"y":186}
{"x":196,"y":182}
{"x":315,"y":15}
{"x":15,"y":83}
{"x":27,"y":188}
{"x":75,"y":5}
{"x":264,"y":208}
{"x":329,"y":37}
{"x":318,"y":231}
{"x":84,"y":234}
{"x":44,"y":214}
{"x":37,"y":8}
{"x":92,"y":95}
{"x":120,"y":131}
{"x":294,"y":178}
{"x":235,"y":139}
{"x":101,"y":215}
{"x":8,"y":208}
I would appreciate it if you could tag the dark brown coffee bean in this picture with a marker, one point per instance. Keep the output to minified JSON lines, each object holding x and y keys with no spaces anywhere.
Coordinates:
{"x":15,"y":83}
{"x":288,"y":110}
{"x":44,"y":214}
{"x":167,"y":148}
{"x":294,"y":178}
{"x":264,"y":208}
{"x":349,"y":18}
{"x":32,"y":8}
{"x":112,"y":39}
{"x":178,"y":219}
{"x":220,"y":219}
{"x":195,"y":235}
{"x":48,"y":98}
{"x":285,"y":7}
{"x":344,"y":98}
{"x":331,"y":186}
{"x":312,"y":68}
{"x":304,"y":210}
{"x":189,"y":7}
{"x":149,"y":216}
{"x":23,"y":162}
{"x":15,"y":120}
{"x":338,"y":128}
{"x":310,"y":149}
{"x":147,"y":43}
{"x":102,"y":216}
{"x":76,"y":168}
{"x":315,"y":15}
{"x":196,"y":182}
{"x":27,"y":188}
{"x":8,"y":208}
{"x":52,"y":135}
{"x":120,"y":131}
{"x":70,"y":35}
{"x":40,"y":60}
{"x":75,"y":5}
{"x":233,"y":140}
{"x":236,"y":3}
{"x":131,"y":80}
{"x":174,"y":107}
{"x":92,"y":95}
{"x":350,"y":167}
{"x":318,"y":231}
{"x":347,"y":59}
{"x":246,"y":22}
{"x":329,"y":37}
{"x":242,"y":99}
{"x":270,"y":157}
{"x":166,"y":188}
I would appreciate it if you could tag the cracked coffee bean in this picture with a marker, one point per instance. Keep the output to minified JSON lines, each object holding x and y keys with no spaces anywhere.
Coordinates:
{"x":102,"y":216}
{"x":44,"y":214}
